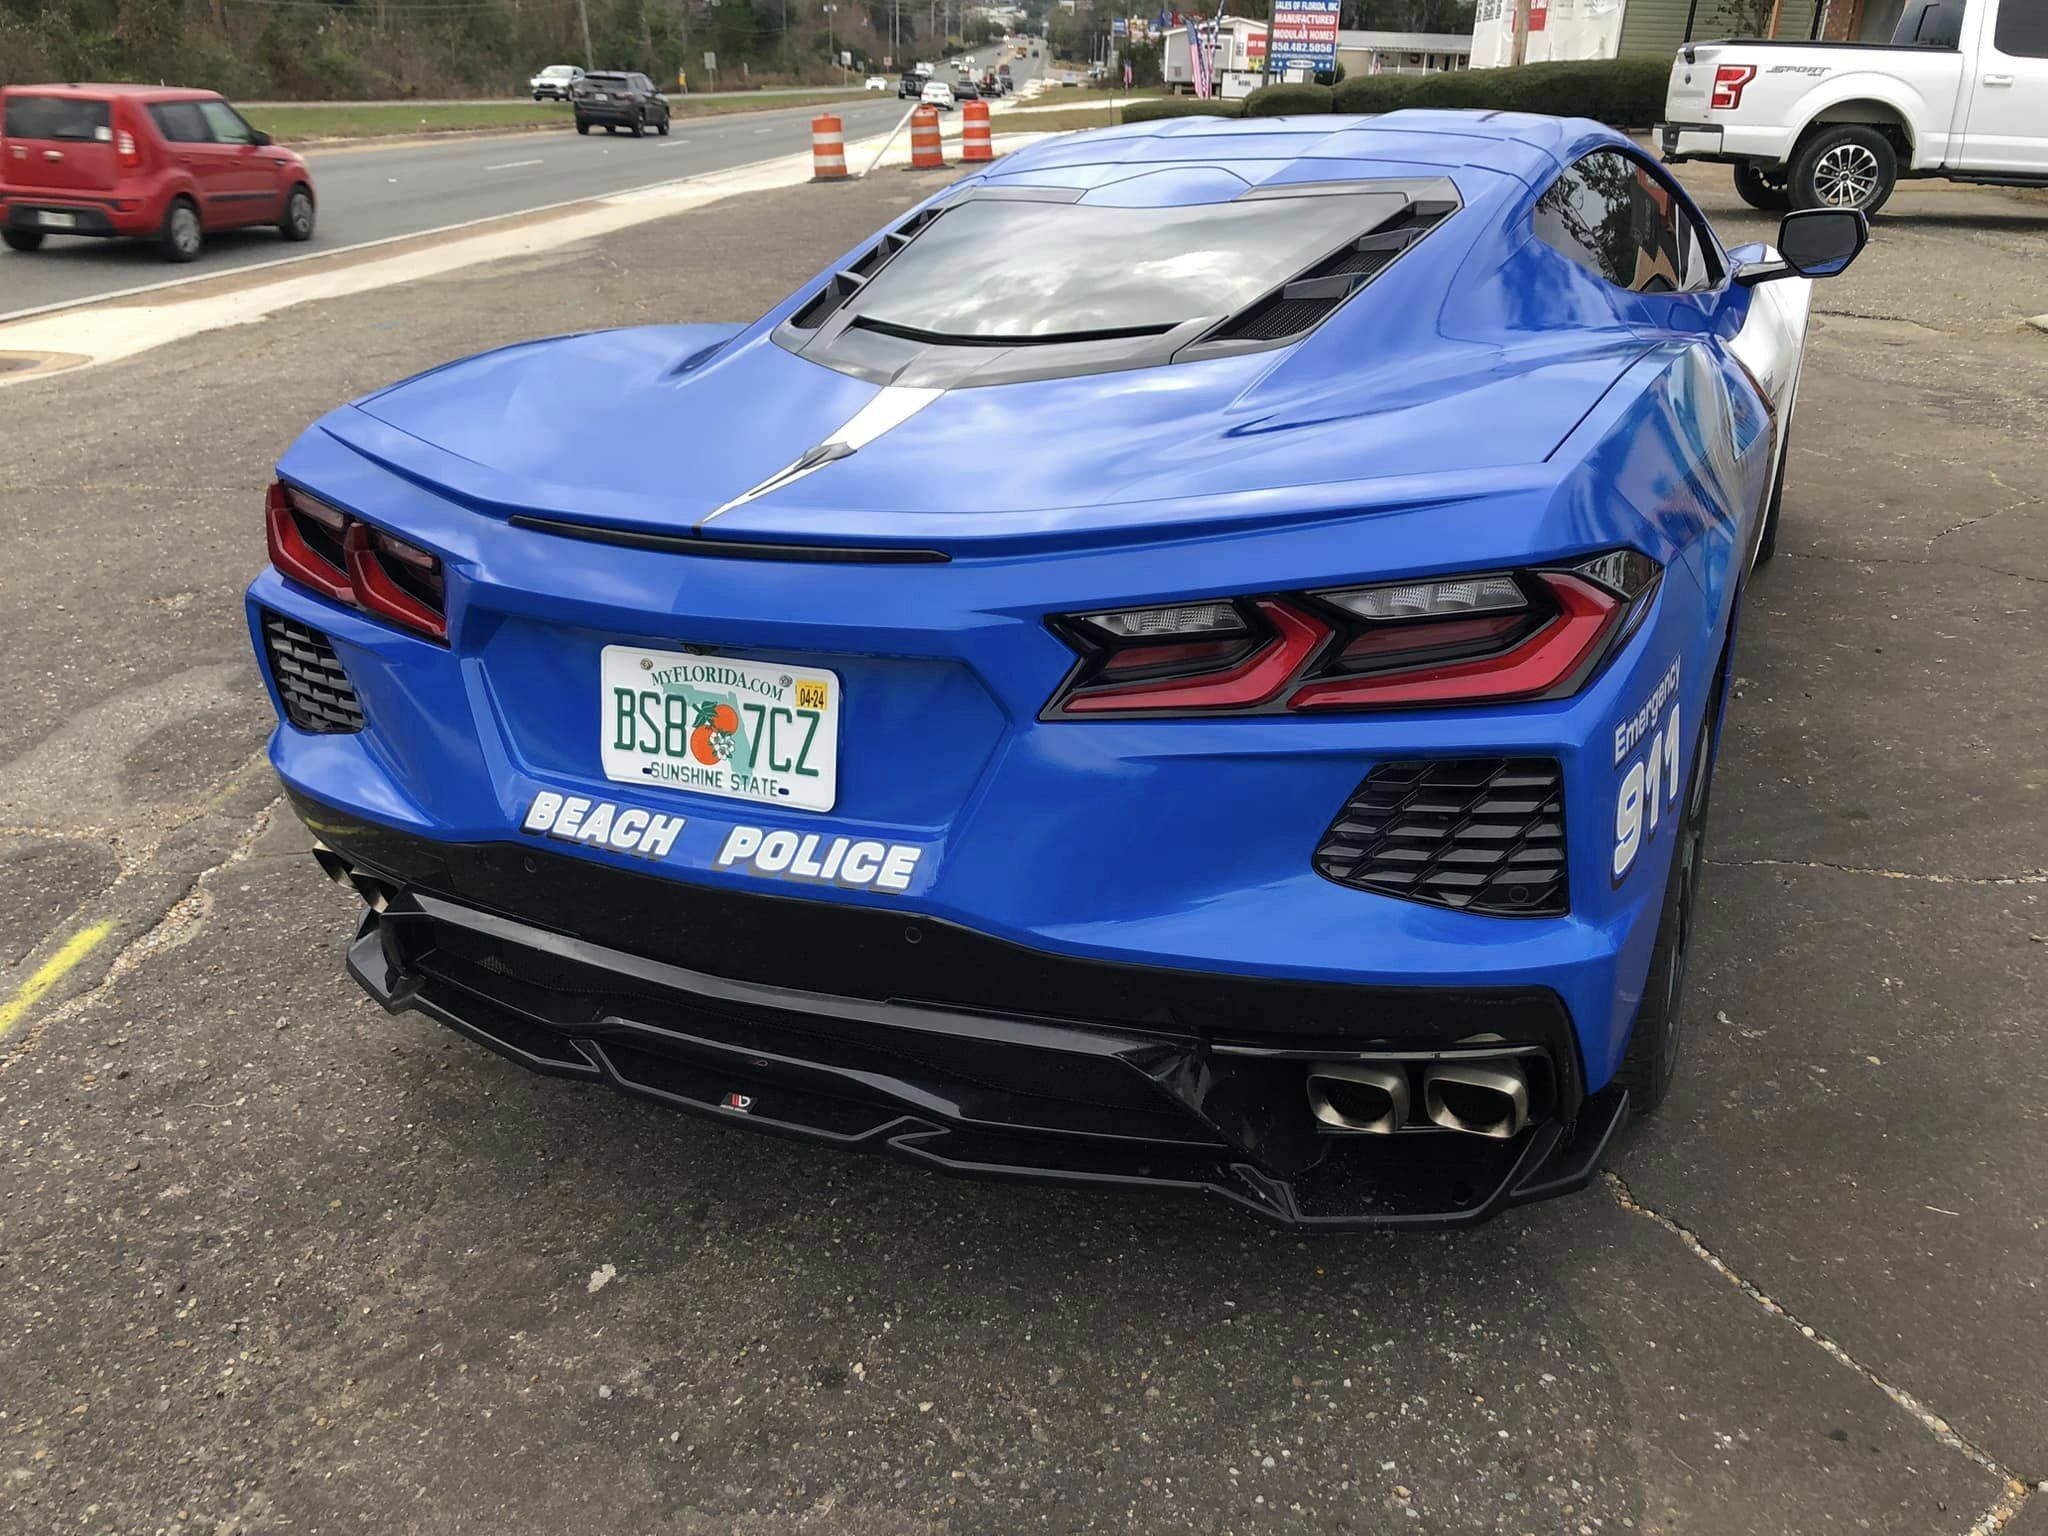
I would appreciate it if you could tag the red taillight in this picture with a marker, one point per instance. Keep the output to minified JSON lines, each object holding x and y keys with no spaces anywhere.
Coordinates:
{"x":1729,"y":81}
{"x":1534,"y":666}
{"x":1496,"y":637}
{"x":305,"y":537}
{"x":401,"y":581}
{"x":341,"y":557}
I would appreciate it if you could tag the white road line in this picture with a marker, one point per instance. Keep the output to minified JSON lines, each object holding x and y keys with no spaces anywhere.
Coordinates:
{"x":764,"y":130}
{"x":513,"y":165}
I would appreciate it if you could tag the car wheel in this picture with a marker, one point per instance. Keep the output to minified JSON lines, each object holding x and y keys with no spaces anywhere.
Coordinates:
{"x":1852,"y":166}
{"x":611,"y":128}
{"x":181,"y":238}
{"x":22,"y":239}
{"x":1651,"y":1063}
{"x":639,"y":124}
{"x":663,"y":129}
{"x":582,"y":126}
{"x":1765,"y":192}
{"x":298,"y":215}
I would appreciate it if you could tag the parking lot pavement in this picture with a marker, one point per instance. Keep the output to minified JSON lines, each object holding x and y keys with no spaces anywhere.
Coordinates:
{"x":270,"y":1259}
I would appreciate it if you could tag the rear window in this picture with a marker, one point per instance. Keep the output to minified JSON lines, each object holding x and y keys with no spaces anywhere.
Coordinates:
{"x":617,"y":80}
{"x":57,"y":117}
{"x":992,"y":268}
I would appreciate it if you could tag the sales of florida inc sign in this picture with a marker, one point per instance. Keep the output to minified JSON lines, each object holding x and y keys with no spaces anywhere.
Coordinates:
{"x":1305,"y":34}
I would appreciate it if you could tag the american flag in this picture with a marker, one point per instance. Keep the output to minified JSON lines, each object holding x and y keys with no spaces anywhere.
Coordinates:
{"x":1198,"y":61}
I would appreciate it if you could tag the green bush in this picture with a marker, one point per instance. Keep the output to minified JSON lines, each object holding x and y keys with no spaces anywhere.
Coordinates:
{"x":1287,"y":100}
{"x":1179,"y":106}
{"x":1623,"y":93}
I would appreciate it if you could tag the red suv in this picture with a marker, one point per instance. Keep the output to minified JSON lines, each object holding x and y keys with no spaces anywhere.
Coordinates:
{"x":166,"y":164}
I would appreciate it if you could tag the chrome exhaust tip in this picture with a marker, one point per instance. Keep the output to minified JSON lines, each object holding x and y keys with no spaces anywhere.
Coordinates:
{"x":1480,"y":1098}
{"x":1351,"y":1100}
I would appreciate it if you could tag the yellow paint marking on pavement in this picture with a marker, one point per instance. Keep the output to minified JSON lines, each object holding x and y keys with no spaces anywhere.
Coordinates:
{"x":52,"y":970}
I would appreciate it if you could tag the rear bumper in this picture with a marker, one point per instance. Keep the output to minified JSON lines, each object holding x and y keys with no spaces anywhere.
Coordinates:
{"x":59,"y":216}
{"x":613,"y":112}
{"x":952,"y":1049}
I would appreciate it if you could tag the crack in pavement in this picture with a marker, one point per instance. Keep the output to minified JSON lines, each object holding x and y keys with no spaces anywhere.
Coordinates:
{"x":2030,"y":877}
{"x":2017,"y":1489}
{"x":180,"y":922}
{"x":2001,"y":1513}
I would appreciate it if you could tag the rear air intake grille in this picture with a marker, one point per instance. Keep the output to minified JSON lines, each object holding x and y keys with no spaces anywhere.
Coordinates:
{"x":1301,"y":304}
{"x":1482,"y":834}
{"x":317,"y":694}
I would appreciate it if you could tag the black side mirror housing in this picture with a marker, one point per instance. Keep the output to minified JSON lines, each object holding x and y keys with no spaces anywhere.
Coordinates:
{"x":262,"y":139}
{"x":1813,"y":242}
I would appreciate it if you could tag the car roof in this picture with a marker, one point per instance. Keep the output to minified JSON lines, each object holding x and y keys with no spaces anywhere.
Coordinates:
{"x":93,"y":91}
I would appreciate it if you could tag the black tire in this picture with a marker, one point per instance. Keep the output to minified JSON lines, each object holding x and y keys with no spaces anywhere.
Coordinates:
{"x":1848,"y":166}
{"x":22,"y":239}
{"x":582,"y":126}
{"x":639,"y":124}
{"x":1651,"y":1063}
{"x":297,"y":224}
{"x":663,"y":129}
{"x":1767,"y":193}
{"x":181,"y":237}
{"x":1767,"y":541}
{"x":611,"y":127}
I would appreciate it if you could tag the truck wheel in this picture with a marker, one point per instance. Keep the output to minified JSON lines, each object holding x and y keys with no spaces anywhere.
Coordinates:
{"x":1850,"y":166}
{"x":1762,"y":191}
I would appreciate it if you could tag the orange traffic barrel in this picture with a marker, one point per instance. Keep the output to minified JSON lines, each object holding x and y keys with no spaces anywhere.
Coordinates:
{"x":974,"y":139}
{"x":828,"y":148}
{"x":925,"y":154}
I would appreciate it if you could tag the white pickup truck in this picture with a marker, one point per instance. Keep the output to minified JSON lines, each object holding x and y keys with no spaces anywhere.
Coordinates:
{"x":1961,"y":91}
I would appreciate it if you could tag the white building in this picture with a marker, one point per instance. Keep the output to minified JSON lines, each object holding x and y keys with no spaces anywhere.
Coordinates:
{"x":1402,"y":53}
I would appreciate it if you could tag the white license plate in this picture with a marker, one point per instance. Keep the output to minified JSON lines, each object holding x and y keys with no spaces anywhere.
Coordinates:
{"x":60,"y":221}
{"x":599,"y":96}
{"x":745,"y":730}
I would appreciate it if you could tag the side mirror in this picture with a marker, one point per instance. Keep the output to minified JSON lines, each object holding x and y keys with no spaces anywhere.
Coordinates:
{"x":260,"y":139}
{"x":1812,"y":242}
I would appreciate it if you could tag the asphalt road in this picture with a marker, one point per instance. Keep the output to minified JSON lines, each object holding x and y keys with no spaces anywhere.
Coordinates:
{"x":271,"y":1260}
{"x":375,"y":194}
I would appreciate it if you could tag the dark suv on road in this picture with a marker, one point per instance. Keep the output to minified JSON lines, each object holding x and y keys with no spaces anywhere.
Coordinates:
{"x":616,"y":101}
{"x":910,"y":87}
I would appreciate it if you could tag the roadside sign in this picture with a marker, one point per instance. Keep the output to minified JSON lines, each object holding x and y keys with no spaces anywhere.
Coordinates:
{"x":1119,"y":27}
{"x":1305,"y":34}
{"x":710,"y":60}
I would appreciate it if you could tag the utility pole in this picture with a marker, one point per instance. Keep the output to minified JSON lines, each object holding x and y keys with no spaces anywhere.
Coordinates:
{"x":583,"y":14}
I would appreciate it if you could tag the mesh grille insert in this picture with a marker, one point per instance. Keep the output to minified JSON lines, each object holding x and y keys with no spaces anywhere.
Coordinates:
{"x":317,"y":694}
{"x":1481,"y":834}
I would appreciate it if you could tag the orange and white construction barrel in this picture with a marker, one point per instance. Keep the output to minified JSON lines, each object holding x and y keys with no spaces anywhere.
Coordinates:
{"x":975,"y":143}
{"x":828,"y":148}
{"x":925,"y":153}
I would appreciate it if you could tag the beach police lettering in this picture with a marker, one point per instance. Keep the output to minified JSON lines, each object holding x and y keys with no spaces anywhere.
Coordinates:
{"x":602,"y":824}
{"x":861,"y":863}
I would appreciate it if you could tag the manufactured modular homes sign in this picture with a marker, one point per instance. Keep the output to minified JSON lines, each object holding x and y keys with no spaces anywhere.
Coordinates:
{"x":1305,"y":34}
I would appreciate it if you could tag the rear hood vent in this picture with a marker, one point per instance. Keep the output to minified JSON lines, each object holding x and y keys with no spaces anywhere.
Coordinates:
{"x":1300,"y":305}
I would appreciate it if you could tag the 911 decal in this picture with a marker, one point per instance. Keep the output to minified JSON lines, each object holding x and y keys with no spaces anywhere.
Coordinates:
{"x":1649,"y":787}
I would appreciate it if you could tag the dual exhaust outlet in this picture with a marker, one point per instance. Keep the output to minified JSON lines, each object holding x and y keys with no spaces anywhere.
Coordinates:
{"x":1482,"y":1096}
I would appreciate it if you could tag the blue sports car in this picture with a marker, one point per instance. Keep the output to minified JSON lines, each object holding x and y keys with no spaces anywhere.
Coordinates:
{"x":1279,"y":771}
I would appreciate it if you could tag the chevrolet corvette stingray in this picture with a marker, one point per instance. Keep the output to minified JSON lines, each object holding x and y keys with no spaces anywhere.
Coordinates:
{"x":1279,"y":771}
